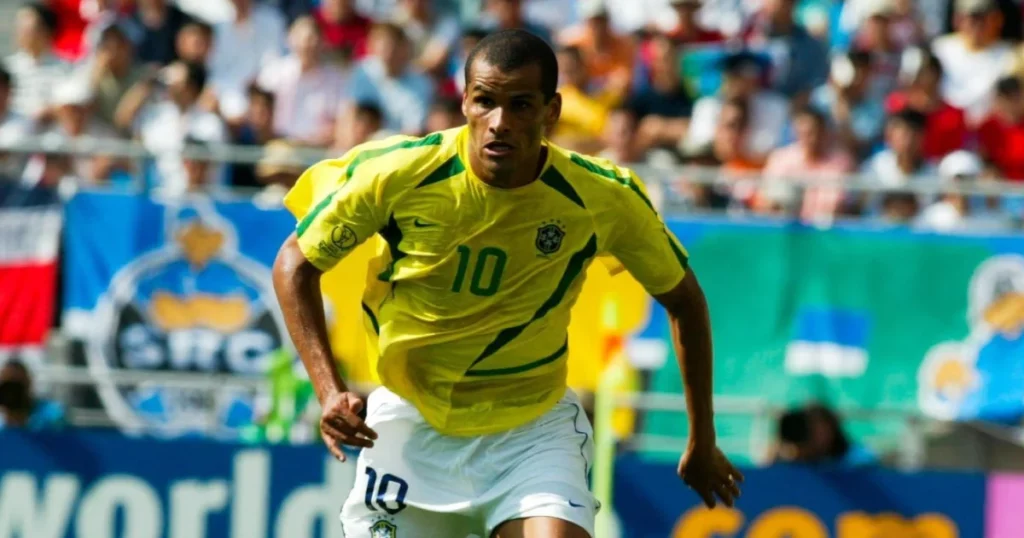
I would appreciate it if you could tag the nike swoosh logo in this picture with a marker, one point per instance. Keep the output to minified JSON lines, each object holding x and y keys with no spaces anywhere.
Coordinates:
{"x":576,"y":505}
{"x":420,"y":224}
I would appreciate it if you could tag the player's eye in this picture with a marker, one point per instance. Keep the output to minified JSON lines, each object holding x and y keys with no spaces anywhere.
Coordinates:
{"x":522,"y":105}
{"x":484,"y":101}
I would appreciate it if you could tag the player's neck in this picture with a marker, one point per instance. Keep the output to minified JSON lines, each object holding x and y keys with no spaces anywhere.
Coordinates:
{"x":519,"y":177}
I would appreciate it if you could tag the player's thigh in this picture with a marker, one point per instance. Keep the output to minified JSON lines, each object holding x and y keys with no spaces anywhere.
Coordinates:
{"x":540,"y":527}
{"x":547,"y":477}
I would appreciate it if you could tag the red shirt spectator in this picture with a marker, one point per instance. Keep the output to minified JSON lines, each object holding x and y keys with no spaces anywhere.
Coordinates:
{"x":344,"y":30}
{"x":946,"y":127}
{"x":1001,"y":135}
{"x":68,"y":40}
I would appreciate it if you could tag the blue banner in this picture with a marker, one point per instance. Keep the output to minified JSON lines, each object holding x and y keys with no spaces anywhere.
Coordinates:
{"x":105,"y":485}
{"x":799,"y":502}
{"x":180,"y":285}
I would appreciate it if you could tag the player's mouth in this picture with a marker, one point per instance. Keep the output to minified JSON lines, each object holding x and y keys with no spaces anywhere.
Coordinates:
{"x":498,"y":149}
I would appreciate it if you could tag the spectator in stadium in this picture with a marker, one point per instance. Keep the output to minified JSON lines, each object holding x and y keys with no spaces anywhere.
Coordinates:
{"x":366,"y":124}
{"x":857,"y":115}
{"x":159,"y":22}
{"x":955,"y":211}
{"x":619,"y":137}
{"x":433,"y":36}
{"x":345,"y":31}
{"x":256,"y":130}
{"x":445,"y":114}
{"x":607,"y":57}
{"x":20,"y":407}
{"x":742,"y":75}
{"x":901,"y":162}
{"x":240,"y":49}
{"x":688,"y":30}
{"x":112,"y":71}
{"x":814,"y":435}
{"x":35,"y":69}
{"x":194,"y":42}
{"x":280,"y":166}
{"x":162,"y":120}
{"x":387,"y":79}
{"x":199,"y":171}
{"x":876,"y":40}
{"x":584,"y":108}
{"x":974,"y":58}
{"x":509,"y":14}
{"x":74,"y":119}
{"x":799,"y":61}
{"x":307,"y":90}
{"x":946,"y":127}
{"x":1001,"y":135}
{"x":814,"y":160}
{"x":13,"y":126}
{"x":727,"y":153}
{"x":102,"y":14}
{"x":663,"y":106}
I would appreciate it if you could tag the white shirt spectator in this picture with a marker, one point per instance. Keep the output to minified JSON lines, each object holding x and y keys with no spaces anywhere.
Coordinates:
{"x":404,"y":100}
{"x":769,"y":113}
{"x":34,"y":81}
{"x":970,"y":76}
{"x":306,"y":104}
{"x":14,"y":128}
{"x":240,"y":50}
{"x":883,"y":170}
{"x":444,"y":32}
{"x":163,"y":129}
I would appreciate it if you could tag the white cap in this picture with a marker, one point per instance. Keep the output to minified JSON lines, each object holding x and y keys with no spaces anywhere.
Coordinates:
{"x":959,"y":163}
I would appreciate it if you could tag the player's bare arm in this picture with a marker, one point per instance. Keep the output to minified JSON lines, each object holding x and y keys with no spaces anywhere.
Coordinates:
{"x":297,"y":285}
{"x":703,"y":466}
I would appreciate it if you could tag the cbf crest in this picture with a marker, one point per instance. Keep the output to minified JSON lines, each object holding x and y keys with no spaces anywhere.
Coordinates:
{"x":383,"y":529}
{"x":549,"y":237}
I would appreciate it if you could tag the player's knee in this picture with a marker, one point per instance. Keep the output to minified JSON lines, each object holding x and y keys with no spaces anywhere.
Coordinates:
{"x":539,"y":527}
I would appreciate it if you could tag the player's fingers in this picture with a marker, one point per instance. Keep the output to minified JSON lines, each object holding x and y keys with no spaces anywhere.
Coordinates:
{"x":736,"y":474}
{"x":333,"y":447}
{"x":734,"y":488}
{"x":344,"y":433}
{"x":706,"y":495}
{"x":360,"y":427}
{"x":723,"y":493}
{"x":356,"y":405}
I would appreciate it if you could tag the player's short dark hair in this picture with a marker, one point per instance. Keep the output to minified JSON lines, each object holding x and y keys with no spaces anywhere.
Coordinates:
{"x":911,"y":118}
{"x":509,"y":50}
{"x":46,"y":15}
{"x":1008,"y":87}
{"x":370,"y":110}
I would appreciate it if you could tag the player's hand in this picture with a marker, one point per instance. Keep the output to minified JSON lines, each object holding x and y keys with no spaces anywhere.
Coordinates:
{"x":340,"y":423}
{"x":708,"y":472}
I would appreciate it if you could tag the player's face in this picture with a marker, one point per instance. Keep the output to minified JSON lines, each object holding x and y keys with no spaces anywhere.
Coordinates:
{"x":507,"y":116}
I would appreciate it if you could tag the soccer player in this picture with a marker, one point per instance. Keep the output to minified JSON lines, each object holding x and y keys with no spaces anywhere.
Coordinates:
{"x":489,"y":229}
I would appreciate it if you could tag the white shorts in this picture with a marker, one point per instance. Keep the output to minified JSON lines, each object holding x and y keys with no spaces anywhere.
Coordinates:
{"x":416,"y":482}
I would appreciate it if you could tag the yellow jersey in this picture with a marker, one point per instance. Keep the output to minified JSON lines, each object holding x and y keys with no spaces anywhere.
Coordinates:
{"x":470,"y":296}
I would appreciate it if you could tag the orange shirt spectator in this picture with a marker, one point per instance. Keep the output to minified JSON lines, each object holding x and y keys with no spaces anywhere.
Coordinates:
{"x":608,"y":57}
{"x":1001,"y":135}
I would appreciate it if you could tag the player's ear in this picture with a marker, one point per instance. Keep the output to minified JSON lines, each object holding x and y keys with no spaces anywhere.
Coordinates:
{"x":554,"y":111}
{"x":465,"y":104}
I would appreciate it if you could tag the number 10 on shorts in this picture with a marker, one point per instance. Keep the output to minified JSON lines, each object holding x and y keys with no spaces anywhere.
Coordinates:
{"x":377,"y":495}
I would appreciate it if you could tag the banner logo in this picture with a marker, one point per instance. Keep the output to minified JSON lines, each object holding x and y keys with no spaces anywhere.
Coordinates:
{"x":194,"y":304}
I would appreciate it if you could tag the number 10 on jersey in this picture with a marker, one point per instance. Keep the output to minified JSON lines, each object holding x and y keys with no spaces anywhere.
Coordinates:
{"x":488,"y":266}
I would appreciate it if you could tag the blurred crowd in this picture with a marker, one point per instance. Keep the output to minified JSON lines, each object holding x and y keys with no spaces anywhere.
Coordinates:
{"x":786,"y":99}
